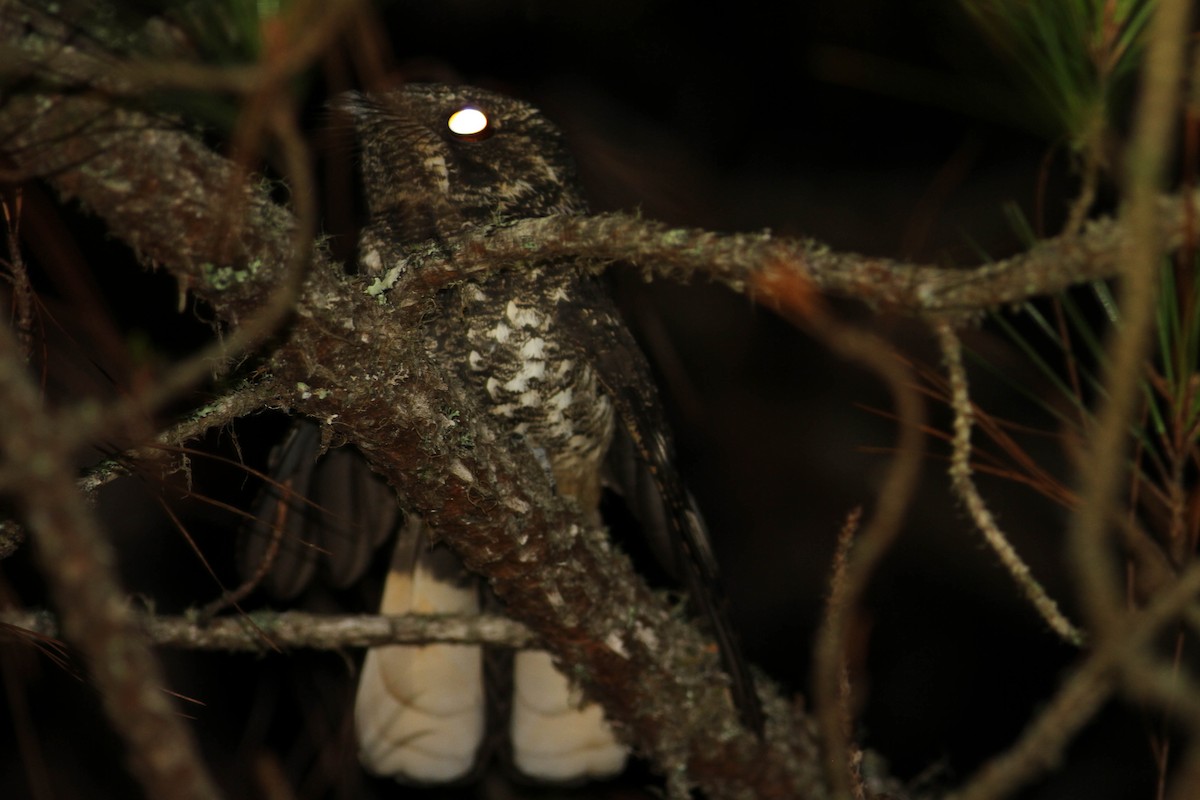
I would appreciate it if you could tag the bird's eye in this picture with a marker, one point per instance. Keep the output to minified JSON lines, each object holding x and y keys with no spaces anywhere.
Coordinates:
{"x":470,"y":124}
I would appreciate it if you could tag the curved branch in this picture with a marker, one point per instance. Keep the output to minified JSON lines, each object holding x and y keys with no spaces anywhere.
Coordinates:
{"x":78,"y":563}
{"x":964,"y":486}
{"x":1094,"y":566}
{"x":1084,"y":691}
{"x":744,"y":261}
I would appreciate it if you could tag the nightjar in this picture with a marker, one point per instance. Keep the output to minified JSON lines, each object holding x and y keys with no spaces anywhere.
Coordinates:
{"x":547,"y":354}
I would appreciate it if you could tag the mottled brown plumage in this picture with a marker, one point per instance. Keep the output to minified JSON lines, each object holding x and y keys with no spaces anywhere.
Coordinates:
{"x":551,"y":360}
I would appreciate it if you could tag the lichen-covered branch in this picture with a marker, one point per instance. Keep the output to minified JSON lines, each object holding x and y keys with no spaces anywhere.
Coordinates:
{"x":240,"y":402}
{"x":264,"y":630}
{"x":739,"y":260}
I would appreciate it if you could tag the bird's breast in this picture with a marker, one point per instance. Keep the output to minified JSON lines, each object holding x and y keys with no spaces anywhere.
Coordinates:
{"x":508,"y":339}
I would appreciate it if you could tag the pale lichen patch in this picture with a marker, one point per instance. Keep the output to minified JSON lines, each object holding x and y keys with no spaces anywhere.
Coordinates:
{"x":613,"y":640}
{"x":460,"y":471}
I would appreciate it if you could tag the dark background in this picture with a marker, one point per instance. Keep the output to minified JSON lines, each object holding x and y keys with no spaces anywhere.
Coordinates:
{"x":866,"y":125}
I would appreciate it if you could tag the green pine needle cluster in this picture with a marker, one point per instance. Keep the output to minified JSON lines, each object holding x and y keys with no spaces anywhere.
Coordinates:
{"x":1073,"y":55}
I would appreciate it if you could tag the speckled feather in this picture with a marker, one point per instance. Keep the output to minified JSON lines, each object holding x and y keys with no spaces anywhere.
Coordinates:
{"x":504,"y":335}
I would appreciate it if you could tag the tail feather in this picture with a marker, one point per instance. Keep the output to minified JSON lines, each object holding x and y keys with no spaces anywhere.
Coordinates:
{"x":421,"y":713}
{"x":556,"y":735}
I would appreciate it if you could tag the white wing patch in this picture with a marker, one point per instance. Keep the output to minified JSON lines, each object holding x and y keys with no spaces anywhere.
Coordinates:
{"x":555,"y":735}
{"x":534,"y":349}
{"x":531,"y":370}
{"x":420,"y":711}
{"x":523,"y":316}
{"x":500,"y":332}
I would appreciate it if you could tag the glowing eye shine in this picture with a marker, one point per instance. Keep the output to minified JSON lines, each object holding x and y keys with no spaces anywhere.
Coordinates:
{"x":469,"y":123}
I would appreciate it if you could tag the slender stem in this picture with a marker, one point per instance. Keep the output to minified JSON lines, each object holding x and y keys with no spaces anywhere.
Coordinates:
{"x":968,"y":493}
{"x":80,"y":567}
{"x":1090,"y":550}
{"x":262,"y":631}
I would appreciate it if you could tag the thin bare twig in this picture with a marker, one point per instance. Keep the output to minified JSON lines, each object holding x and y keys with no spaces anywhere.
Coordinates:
{"x":968,"y":492}
{"x":1041,"y":745}
{"x":896,"y":493}
{"x":837,"y":592}
{"x":1090,"y":554}
{"x":18,"y":275}
{"x":240,"y":402}
{"x":794,"y":297}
